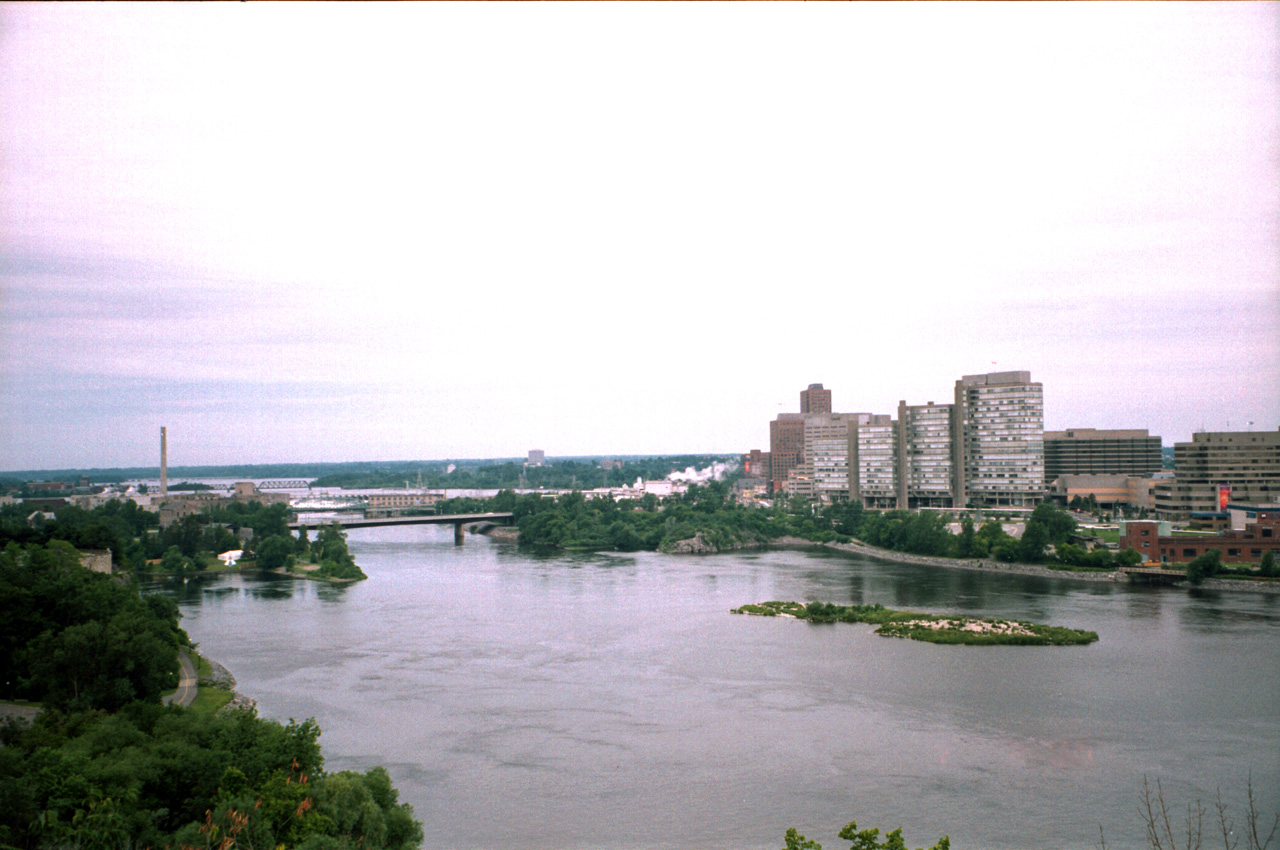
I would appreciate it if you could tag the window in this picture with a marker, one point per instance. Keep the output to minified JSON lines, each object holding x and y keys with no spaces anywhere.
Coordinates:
{"x":1188,"y":553}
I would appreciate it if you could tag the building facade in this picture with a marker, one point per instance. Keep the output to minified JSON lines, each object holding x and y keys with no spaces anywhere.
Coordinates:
{"x":815,"y":400}
{"x":1156,"y":542}
{"x":786,"y":446}
{"x":1221,"y":466}
{"x":924,"y":456}
{"x":998,"y":440}
{"x":873,"y":468}
{"x":826,"y":451}
{"x":1087,"y":451}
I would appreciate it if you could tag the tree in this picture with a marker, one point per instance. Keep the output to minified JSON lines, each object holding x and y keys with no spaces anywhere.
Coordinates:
{"x":274,"y":552}
{"x":966,"y":542}
{"x":1268,"y":565}
{"x":1205,"y":566}
{"x":1057,"y":523}
{"x":865,"y":839}
{"x":1034,"y":540}
{"x":1128,"y":558}
{"x":173,"y":561}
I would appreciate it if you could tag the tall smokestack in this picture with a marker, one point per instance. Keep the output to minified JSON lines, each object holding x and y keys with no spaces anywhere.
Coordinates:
{"x":164,"y":462}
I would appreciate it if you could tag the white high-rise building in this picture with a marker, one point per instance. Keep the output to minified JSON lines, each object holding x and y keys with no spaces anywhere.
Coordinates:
{"x":826,"y":452}
{"x":873,"y":467}
{"x":925,"y":477}
{"x":998,"y":440}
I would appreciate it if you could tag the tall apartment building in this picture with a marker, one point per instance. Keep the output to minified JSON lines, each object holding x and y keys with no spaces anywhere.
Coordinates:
{"x":1219,"y":466}
{"x":998,"y":440}
{"x":924,"y":456}
{"x":827,"y":451}
{"x":815,"y":400}
{"x":873,"y":467}
{"x":1087,"y":451}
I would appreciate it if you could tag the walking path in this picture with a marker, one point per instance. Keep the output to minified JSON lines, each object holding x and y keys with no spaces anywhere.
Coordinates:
{"x":188,"y":683}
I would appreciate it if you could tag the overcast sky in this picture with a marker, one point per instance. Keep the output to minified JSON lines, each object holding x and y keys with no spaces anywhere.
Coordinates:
{"x":414,"y":231}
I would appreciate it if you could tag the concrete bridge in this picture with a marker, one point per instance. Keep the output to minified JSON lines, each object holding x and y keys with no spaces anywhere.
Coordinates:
{"x":457,"y":520}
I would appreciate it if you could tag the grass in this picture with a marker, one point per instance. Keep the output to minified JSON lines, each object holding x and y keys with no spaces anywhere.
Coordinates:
{"x":1110,"y":535}
{"x":970,"y":631}
{"x":210,"y":699}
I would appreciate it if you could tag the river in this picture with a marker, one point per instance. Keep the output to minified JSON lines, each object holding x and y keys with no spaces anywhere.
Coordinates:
{"x":611,"y":701}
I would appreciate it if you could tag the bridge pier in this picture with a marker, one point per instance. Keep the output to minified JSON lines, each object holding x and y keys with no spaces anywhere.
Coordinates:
{"x":458,"y":535}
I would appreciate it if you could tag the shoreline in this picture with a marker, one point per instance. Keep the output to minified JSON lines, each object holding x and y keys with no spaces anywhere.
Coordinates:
{"x":989,"y":565}
{"x":221,"y":677}
{"x":985,"y":565}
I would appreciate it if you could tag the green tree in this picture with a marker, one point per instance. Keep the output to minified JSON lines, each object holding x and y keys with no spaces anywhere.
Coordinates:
{"x":1267,"y":566}
{"x":1205,"y":566}
{"x":275,"y":552}
{"x":1035,"y":537}
{"x":173,"y":561}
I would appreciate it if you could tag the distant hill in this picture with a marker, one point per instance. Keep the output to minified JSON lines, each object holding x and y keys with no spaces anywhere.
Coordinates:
{"x":404,"y":469}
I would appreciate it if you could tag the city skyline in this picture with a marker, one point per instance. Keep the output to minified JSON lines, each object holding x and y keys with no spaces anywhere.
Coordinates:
{"x":342,"y":233}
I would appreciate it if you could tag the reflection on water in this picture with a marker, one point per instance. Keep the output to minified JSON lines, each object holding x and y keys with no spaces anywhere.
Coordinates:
{"x":609,"y":700}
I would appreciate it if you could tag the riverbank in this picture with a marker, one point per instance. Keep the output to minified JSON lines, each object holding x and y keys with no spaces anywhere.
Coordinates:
{"x":990,"y":565}
{"x":221,"y":677}
{"x":697,"y":545}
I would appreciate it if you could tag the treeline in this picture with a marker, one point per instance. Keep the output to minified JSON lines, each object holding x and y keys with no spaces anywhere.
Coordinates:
{"x":709,"y":513}
{"x":560,"y":474}
{"x":106,"y":765}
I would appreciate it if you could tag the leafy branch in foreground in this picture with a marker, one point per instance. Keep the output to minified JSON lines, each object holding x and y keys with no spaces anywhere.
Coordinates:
{"x":866,"y":839}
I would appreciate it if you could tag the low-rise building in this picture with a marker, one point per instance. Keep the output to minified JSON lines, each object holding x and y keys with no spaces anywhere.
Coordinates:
{"x":383,"y":503}
{"x":1155,"y":541}
{"x":1107,"y":490}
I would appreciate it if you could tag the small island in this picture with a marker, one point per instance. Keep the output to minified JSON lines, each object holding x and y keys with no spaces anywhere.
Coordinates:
{"x":934,"y":628}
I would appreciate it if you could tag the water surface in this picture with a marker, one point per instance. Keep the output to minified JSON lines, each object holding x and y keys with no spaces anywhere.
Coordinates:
{"x":610,"y":701}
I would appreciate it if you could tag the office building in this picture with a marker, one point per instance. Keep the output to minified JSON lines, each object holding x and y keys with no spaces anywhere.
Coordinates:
{"x":1220,"y":467}
{"x":786,"y":446}
{"x":815,"y":400}
{"x":756,"y":464}
{"x":1087,"y":451}
{"x":998,"y":440}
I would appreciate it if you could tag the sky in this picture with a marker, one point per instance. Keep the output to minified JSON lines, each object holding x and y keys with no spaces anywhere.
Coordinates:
{"x":332,"y":232}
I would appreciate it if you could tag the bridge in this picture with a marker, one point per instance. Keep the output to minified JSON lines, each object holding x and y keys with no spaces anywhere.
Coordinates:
{"x":457,"y":520}
{"x":1153,"y":575}
{"x":285,"y":484}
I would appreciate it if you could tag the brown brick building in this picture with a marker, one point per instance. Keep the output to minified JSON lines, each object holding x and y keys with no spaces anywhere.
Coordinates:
{"x":815,"y":400}
{"x":1236,"y":546}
